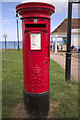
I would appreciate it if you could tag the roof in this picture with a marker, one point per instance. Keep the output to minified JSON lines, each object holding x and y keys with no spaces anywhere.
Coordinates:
{"x":62,"y":28}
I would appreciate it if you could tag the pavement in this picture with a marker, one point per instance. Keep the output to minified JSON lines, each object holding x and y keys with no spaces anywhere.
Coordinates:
{"x":75,"y":62}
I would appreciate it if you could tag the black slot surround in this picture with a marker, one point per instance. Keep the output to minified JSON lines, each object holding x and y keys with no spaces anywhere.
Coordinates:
{"x":35,"y":25}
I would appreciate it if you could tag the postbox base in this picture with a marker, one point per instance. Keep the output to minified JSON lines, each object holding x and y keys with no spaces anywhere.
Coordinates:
{"x":36,"y":105}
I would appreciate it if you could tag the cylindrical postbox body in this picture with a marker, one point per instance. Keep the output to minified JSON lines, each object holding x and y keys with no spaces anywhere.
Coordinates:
{"x":36,"y":56}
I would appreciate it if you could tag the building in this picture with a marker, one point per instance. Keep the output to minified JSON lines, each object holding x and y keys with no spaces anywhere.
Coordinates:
{"x":61,"y":33}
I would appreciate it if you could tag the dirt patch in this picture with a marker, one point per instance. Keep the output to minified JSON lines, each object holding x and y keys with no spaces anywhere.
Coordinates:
{"x":53,"y":111}
{"x":18,"y":111}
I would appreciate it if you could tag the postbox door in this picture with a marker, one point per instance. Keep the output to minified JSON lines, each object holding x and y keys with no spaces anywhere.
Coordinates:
{"x":36,"y":77}
{"x":42,"y":59}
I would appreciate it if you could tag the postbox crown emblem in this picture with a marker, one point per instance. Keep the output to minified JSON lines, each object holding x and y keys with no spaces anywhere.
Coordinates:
{"x":36,"y":69}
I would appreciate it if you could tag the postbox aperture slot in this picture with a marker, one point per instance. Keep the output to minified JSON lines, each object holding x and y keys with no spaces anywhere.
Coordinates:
{"x":35,"y":25}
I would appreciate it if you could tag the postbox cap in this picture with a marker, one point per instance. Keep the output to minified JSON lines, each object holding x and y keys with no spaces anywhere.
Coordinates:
{"x":35,"y":9}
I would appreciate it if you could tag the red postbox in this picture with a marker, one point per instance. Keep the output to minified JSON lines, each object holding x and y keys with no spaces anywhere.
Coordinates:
{"x":36,"y":55}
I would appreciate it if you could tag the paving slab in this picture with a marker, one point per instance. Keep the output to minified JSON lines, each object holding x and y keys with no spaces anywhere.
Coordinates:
{"x":75,"y":64}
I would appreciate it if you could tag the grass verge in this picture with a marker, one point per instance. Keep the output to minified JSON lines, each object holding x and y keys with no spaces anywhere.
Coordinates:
{"x":63,"y":95}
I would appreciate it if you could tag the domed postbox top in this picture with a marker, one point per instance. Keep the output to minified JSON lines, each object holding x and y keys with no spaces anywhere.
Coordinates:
{"x":35,"y":9}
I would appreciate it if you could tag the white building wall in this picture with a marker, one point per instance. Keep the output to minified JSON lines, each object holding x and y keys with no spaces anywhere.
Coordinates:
{"x":76,"y":41}
{"x":72,"y":40}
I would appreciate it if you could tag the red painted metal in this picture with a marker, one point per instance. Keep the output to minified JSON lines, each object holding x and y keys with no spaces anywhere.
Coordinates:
{"x":36,"y":63}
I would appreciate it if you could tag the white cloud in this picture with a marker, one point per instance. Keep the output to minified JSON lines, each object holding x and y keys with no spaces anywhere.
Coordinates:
{"x":75,"y":8}
{"x":60,"y":6}
{"x":10,"y":0}
{"x":8,"y":21}
{"x":12,"y":9}
{"x":45,"y":1}
{"x":75,"y":0}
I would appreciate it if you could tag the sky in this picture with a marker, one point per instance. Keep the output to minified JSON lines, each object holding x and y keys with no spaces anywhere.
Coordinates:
{"x":8,"y":21}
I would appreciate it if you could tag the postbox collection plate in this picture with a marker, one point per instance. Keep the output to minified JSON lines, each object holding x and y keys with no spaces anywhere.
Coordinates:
{"x":35,"y":41}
